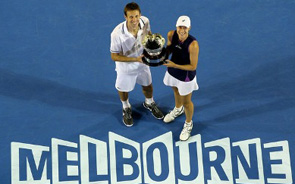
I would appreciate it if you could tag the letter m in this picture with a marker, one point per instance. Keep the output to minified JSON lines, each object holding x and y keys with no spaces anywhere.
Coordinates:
{"x":29,"y":164}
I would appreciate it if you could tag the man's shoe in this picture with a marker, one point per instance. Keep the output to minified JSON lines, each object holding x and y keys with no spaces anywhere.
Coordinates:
{"x":173,"y":114}
{"x":186,"y":131}
{"x":157,"y":113}
{"x":127,"y":117}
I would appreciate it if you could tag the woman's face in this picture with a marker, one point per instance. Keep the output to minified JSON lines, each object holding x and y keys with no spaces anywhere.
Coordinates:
{"x":182,"y":32}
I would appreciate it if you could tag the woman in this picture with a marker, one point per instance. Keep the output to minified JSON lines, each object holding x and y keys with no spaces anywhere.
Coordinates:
{"x":181,"y":73}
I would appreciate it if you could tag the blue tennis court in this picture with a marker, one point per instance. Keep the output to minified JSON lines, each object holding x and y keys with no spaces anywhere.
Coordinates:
{"x":61,"y":117}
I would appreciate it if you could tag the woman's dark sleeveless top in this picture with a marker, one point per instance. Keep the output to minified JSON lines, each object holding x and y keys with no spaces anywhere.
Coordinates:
{"x":181,"y":56}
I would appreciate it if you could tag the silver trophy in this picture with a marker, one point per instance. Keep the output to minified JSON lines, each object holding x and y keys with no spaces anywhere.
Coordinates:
{"x":154,"y":51}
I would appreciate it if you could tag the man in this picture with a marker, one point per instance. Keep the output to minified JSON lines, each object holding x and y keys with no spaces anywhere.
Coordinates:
{"x":181,"y":73}
{"x":126,"y":51}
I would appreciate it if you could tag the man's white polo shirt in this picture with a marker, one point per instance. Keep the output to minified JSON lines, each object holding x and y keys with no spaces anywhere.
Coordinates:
{"x":122,"y":41}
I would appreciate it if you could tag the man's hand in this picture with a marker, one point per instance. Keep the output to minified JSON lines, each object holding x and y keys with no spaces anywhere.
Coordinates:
{"x":139,"y":59}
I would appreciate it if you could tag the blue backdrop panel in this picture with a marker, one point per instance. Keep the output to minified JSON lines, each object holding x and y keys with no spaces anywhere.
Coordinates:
{"x":61,"y":117}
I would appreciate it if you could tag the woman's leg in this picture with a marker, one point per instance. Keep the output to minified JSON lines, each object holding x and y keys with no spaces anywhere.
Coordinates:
{"x":177,"y":98}
{"x":188,"y":107}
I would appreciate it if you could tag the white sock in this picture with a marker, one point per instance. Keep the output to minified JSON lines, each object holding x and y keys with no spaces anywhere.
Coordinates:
{"x":178,"y":109}
{"x":149,"y":100}
{"x":126,"y":104}
{"x":189,"y":123}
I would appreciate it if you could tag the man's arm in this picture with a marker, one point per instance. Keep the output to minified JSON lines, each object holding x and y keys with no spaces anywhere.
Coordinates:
{"x":121,"y":58}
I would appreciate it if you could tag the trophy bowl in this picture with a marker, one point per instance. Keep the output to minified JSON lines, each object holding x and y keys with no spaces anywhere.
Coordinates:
{"x":154,"y":51}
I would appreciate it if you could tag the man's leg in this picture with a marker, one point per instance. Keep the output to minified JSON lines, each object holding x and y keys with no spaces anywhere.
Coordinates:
{"x":148,"y":91}
{"x":124,"y":99}
{"x":127,"y":112}
{"x":150,"y":103}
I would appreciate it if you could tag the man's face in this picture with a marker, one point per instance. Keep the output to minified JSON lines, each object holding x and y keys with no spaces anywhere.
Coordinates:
{"x":132,"y":19}
{"x":182,"y":32}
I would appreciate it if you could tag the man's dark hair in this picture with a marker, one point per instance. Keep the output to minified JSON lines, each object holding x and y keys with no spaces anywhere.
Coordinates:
{"x":131,"y":6}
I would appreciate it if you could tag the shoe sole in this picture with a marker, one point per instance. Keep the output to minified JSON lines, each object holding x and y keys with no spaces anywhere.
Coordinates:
{"x":126,"y":124}
{"x":151,"y":111}
{"x":184,"y":140}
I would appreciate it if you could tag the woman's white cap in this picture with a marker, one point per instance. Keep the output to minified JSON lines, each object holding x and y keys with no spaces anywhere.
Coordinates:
{"x":183,"y":21}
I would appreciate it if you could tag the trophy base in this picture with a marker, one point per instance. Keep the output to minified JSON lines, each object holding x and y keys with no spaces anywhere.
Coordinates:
{"x":156,"y":60}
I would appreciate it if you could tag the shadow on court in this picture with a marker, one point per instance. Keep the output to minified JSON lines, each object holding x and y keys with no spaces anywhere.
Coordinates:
{"x":26,"y":87}
{"x":270,"y":88}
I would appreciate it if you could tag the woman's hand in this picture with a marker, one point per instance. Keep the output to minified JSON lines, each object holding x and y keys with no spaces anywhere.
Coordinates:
{"x":169,"y":63}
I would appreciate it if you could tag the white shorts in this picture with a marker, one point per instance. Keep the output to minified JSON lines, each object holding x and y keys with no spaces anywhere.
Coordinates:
{"x":125,"y":82}
{"x":184,"y":88}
